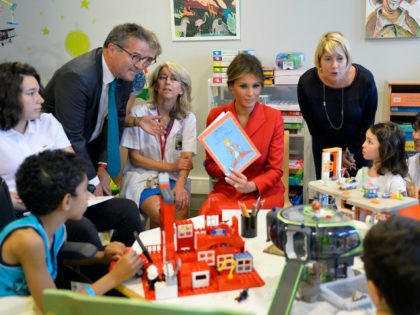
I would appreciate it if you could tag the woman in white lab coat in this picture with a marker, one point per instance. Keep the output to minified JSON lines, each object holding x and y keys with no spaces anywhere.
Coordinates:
{"x":148,"y":155}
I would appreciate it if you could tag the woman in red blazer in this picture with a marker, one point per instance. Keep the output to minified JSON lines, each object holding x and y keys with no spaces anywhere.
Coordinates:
{"x":264,"y":125}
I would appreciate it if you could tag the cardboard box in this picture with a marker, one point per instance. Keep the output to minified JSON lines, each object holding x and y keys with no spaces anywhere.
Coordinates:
{"x":405,"y":99}
{"x":287,"y":77}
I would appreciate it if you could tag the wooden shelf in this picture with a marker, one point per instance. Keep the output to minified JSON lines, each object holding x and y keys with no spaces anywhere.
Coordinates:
{"x":398,"y":87}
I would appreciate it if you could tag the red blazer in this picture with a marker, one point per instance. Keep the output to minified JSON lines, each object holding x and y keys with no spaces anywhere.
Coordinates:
{"x":266,"y":129}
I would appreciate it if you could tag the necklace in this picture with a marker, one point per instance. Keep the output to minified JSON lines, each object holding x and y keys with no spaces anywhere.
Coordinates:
{"x":324,"y":103}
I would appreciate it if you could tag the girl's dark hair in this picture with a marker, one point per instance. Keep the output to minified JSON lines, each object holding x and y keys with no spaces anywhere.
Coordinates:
{"x":416,"y":123}
{"x":11,"y":77}
{"x":391,"y":148}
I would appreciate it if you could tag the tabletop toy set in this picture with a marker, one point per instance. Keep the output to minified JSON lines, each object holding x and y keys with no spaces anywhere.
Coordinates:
{"x":319,"y":245}
{"x":190,"y":261}
{"x":333,"y":175}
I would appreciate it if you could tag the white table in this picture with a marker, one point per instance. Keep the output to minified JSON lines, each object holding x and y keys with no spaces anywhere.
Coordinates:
{"x":355,"y":198}
{"x":269,"y":267}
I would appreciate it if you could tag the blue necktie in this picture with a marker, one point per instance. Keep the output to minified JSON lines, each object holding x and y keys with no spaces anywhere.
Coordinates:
{"x":113,"y":145}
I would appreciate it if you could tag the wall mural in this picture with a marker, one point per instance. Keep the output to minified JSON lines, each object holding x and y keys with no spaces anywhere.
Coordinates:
{"x":205,"y":19}
{"x":6,"y":34}
{"x":76,"y":42}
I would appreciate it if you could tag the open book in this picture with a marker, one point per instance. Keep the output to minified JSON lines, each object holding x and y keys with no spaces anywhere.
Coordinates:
{"x":228,"y":144}
{"x":98,"y":199}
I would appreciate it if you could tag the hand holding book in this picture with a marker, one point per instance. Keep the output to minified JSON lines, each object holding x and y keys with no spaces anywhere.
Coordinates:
{"x":227,"y":143}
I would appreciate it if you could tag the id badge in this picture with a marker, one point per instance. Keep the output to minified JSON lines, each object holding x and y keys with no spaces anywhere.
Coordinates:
{"x":178,"y":142}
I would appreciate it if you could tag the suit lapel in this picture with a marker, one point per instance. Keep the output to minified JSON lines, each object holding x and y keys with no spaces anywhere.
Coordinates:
{"x":256,"y":120}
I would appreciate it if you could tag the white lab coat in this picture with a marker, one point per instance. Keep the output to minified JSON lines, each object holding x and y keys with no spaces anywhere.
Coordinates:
{"x":134,"y":178}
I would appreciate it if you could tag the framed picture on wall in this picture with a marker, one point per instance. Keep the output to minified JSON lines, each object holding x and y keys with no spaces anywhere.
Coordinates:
{"x":205,"y":20}
{"x":392,"y":19}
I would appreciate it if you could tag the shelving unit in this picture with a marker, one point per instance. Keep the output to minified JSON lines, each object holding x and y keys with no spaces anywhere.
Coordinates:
{"x":402,"y":103}
{"x":280,"y":96}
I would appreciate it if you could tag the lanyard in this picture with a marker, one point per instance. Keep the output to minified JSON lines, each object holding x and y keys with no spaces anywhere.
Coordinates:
{"x":165,"y":137}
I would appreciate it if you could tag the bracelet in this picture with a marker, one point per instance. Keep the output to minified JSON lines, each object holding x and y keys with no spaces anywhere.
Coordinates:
{"x":137,"y":121}
{"x":89,"y":290}
{"x":184,"y":177}
{"x":102,"y":165}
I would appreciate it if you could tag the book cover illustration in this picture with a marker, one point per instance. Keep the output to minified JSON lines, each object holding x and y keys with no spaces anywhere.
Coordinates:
{"x":228,"y":144}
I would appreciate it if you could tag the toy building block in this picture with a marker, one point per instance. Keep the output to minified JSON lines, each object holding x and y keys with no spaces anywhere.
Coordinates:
{"x":331,"y":163}
{"x":412,"y":212}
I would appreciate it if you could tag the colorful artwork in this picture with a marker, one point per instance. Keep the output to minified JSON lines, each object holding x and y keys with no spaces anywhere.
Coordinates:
{"x":12,"y":8}
{"x":6,"y":35}
{"x":392,"y":19}
{"x":205,"y":19}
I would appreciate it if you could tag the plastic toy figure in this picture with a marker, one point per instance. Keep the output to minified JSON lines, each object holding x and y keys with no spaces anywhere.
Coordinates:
{"x":242,"y":296}
{"x":152,"y":276}
{"x":370,"y":191}
{"x":347,"y":183}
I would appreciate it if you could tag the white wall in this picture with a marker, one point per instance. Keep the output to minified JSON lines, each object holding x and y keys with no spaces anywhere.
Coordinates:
{"x":268,"y":26}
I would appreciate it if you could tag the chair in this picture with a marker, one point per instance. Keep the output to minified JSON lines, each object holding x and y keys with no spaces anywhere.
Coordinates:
{"x":285,"y":176}
{"x":6,"y":211}
{"x":63,"y":302}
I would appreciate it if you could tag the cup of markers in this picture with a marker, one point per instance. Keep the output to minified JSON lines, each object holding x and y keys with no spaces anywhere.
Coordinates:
{"x":249,"y":226}
{"x":249,"y":223}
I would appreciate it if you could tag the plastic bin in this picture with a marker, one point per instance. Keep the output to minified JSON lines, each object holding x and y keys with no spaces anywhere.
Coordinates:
{"x":295,"y":179}
{"x":340,"y":293}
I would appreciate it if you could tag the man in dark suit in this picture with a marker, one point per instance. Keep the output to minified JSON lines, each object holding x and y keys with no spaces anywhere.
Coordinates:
{"x":77,"y":95}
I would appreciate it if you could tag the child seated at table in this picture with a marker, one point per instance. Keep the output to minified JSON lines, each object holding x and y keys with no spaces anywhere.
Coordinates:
{"x":53,"y":186}
{"x":413,"y":178}
{"x":385,"y":148}
{"x":392,"y":265}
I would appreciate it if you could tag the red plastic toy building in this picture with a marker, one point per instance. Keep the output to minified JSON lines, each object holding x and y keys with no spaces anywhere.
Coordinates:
{"x":197,"y":260}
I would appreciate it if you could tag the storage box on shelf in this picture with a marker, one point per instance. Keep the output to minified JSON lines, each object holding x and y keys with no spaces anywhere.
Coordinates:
{"x":401,"y":104}
{"x":284,"y":98}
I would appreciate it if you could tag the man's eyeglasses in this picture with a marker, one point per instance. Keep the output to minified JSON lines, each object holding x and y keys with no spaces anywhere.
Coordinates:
{"x":135,"y":58}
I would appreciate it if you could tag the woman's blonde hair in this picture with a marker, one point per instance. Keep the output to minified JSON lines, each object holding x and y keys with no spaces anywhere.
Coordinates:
{"x":183,"y":103}
{"x":332,"y":42}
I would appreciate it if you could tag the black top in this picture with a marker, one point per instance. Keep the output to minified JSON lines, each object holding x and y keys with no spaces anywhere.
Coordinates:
{"x":360,"y":101}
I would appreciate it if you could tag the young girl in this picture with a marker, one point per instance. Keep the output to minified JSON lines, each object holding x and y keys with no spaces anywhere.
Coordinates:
{"x":413,"y":178}
{"x":385,"y":148}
